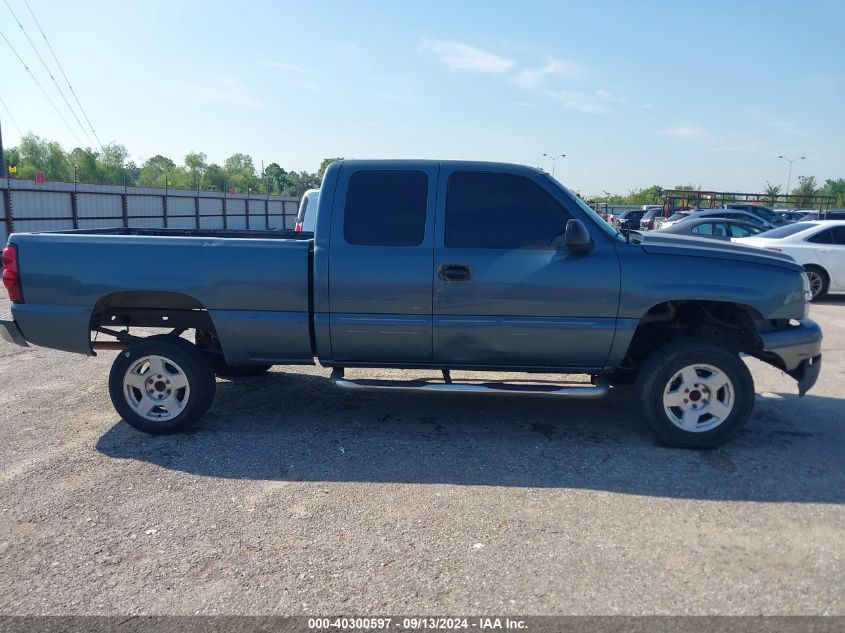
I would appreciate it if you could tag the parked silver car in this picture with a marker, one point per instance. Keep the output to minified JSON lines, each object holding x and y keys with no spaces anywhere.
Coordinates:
{"x":729,"y":214}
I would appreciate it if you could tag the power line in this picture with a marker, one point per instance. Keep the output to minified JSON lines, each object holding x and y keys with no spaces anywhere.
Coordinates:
{"x":72,"y":91}
{"x":11,"y":116}
{"x":38,"y":83}
{"x":47,"y":68}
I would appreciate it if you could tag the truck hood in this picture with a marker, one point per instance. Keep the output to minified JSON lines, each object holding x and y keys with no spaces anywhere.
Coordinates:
{"x":655,"y":242}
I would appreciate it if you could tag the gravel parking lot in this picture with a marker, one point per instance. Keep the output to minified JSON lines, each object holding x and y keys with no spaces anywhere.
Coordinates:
{"x":293,"y":497}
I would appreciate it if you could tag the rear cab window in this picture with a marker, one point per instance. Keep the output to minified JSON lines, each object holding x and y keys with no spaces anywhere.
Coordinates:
{"x":386,"y":208}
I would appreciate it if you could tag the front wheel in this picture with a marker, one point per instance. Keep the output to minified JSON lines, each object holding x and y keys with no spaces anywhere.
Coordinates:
{"x":161,"y":385}
{"x":694,"y":394}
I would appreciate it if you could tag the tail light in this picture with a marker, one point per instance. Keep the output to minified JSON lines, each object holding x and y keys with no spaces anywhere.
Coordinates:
{"x":11,"y":278}
{"x":298,"y":227}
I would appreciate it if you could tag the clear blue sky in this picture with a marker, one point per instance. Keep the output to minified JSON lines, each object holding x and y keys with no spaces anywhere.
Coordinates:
{"x":634,"y":93}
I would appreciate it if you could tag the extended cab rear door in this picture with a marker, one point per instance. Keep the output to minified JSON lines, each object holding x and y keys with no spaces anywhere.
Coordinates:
{"x":382,"y":241}
{"x":506,"y":292}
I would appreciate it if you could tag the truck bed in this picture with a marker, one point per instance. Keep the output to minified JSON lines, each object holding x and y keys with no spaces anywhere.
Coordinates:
{"x":254,"y":285}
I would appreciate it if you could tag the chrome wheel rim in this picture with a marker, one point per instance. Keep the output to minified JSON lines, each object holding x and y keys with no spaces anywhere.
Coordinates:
{"x":698,"y":398}
{"x":816,"y":282}
{"x":156,"y":388}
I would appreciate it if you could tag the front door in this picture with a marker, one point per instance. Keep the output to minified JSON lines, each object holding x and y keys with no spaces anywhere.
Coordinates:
{"x":380,"y":264}
{"x":506,"y":291}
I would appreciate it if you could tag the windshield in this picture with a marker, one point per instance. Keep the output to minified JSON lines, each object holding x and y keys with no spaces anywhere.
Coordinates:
{"x":786,"y":231}
{"x":595,"y":217}
{"x":676,"y":217}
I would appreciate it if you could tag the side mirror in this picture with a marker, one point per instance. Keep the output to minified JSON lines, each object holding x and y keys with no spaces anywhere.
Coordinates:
{"x":577,"y":238}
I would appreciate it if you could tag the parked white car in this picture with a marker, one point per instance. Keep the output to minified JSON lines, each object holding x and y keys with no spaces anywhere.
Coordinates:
{"x":818,"y":246}
{"x":306,"y":217}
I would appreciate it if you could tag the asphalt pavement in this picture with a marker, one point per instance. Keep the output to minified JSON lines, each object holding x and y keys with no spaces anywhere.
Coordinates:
{"x":293,"y":497}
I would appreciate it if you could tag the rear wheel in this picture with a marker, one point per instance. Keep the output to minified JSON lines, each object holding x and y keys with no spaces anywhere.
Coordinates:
{"x":694,"y":394}
{"x":818,"y":281}
{"x":161,"y":385}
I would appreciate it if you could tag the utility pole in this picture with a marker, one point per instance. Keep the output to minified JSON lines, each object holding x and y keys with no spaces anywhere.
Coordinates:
{"x":790,"y":161}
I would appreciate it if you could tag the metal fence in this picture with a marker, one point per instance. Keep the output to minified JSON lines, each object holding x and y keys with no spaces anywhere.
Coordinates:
{"x":54,"y":206}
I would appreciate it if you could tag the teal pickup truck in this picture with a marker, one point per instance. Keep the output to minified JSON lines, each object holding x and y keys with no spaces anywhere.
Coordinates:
{"x":423,"y":265}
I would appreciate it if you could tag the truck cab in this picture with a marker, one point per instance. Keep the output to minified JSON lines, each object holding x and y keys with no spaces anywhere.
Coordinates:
{"x":461,"y":266}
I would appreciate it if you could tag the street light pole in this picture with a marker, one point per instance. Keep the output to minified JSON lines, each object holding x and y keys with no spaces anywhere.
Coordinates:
{"x":789,"y":176}
{"x":554,"y":159}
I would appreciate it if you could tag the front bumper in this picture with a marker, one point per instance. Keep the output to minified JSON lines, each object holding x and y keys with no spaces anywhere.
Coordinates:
{"x":807,"y":373}
{"x":798,"y":350}
{"x":10,"y":331}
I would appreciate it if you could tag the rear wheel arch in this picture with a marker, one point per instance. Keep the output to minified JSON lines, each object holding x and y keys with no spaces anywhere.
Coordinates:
{"x":146,"y":308}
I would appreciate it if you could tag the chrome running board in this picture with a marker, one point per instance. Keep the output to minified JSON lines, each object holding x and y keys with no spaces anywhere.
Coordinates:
{"x":573,"y":390}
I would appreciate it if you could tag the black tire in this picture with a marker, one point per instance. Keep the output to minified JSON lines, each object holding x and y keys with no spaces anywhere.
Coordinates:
{"x":207,"y":342}
{"x":656,"y":375}
{"x":823,"y":277}
{"x":181,"y":355}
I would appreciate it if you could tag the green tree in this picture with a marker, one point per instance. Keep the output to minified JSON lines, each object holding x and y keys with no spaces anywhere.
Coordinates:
{"x":33,"y":155}
{"x":110,"y":163}
{"x":13,"y":158}
{"x":835,"y":188}
{"x":806,"y":188}
{"x":57,"y":165}
{"x":155,"y":170}
{"x":772,"y":192}
{"x":609,"y":198}
{"x":299,"y":182}
{"x":648,"y":195}
{"x":275,"y":177}
{"x":36,"y":154}
{"x":197,"y":165}
{"x":85,"y":161}
{"x":133,"y":172}
{"x":214,"y":178}
{"x":240,"y":173}
{"x":324,"y":165}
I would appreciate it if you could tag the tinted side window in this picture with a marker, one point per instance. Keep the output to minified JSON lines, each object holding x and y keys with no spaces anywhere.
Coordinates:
{"x":825,"y":237}
{"x":386,"y":208}
{"x":839,"y":235}
{"x":501,"y":211}
{"x":739,"y":231}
